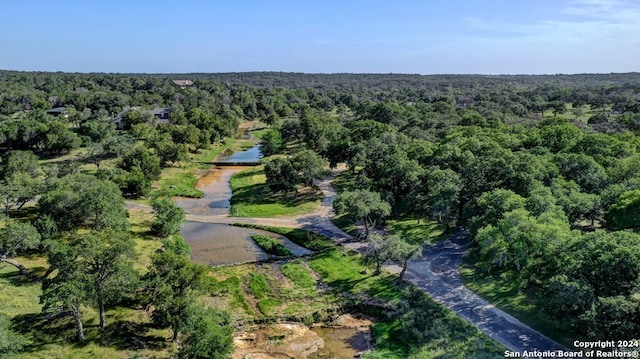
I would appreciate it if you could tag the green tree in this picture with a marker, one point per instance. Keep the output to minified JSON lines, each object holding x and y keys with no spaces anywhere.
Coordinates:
{"x":133,"y":184}
{"x":208,"y":334}
{"x":17,"y":189}
{"x":171,"y":286}
{"x":167,"y":217}
{"x":281,"y":175}
{"x":609,"y":262}
{"x":144,"y":159}
{"x":402,"y":252}
{"x":398,"y":177}
{"x":271,"y":143}
{"x":624,"y":213}
{"x":20,"y":162}
{"x":309,"y":166}
{"x":106,"y":258}
{"x":16,"y":238}
{"x":69,"y":289}
{"x":567,"y":299}
{"x":10,"y":341}
{"x":362,"y":205}
{"x":611,"y":317}
{"x":442,"y":192}
{"x":84,"y":201}
{"x":491,"y":206}
{"x":377,"y":251}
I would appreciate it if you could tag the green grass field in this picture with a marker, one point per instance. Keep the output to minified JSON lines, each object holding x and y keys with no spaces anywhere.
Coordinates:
{"x":253,"y":198}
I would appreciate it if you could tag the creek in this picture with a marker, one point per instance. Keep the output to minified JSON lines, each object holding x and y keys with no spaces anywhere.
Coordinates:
{"x":221,"y":244}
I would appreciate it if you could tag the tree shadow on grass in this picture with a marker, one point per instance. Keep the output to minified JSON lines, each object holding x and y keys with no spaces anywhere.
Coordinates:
{"x":258,"y":194}
{"x":20,"y":280}
{"x":58,"y":328}
{"x":125,"y":335}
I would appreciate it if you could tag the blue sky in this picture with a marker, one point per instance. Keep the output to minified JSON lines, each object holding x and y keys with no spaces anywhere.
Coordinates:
{"x":361,"y":36}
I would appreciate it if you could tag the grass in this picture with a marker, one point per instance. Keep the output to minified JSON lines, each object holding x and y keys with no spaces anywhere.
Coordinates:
{"x":298,"y":274}
{"x":271,"y":245}
{"x":264,"y":292}
{"x":128,"y":329}
{"x":427,"y":232}
{"x":177,"y":182}
{"x":252,"y":197}
{"x":146,"y":244}
{"x":507,"y":295}
{"x":259,"y":287}
{"x":345,"y":273}
{"x":307,"y":239}
{"x":269,"y":305}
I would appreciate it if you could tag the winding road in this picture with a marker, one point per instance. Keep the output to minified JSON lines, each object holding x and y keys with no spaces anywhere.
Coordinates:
{"x":436,"y":273}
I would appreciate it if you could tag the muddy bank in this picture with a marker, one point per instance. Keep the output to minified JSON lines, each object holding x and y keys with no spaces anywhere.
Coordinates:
{"x":346,"y":337}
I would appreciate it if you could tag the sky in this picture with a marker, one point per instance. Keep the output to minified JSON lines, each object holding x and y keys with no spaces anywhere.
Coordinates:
{"x":322,"y":36}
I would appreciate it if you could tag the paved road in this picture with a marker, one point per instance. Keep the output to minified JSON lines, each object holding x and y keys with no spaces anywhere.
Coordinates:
{"x":436,"y":272}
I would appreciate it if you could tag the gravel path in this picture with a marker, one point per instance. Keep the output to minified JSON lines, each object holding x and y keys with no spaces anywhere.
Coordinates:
{"x":437,"y":274}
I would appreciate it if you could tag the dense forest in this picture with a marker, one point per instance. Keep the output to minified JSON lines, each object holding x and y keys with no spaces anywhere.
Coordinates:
{"x":542,"y":172}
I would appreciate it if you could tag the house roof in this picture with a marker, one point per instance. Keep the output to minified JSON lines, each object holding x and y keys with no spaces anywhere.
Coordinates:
{"x":183,"y":82}
{"x":159,"y":110}
{"x":57,"y":110}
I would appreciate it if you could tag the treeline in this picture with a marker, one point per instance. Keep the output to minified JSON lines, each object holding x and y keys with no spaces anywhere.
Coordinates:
{"x":549,"y":195}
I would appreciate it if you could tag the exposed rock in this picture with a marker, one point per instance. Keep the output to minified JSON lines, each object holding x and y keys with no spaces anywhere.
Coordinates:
{"x":277,"y":341}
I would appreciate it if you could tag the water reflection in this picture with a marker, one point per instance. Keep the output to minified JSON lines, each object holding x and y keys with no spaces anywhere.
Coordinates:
{"x":251,"y":155}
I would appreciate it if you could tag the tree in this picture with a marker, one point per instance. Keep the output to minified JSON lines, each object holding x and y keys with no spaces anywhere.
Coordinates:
{"x":281,"y":175}
{"x":362,"y":205}
{"x":171,"y":286}
{"x":442,"y":191}
{"x":15,"y":239}
{"x":377,"y":251}
{"x":20,"y":162}
{"x":271,"y":143}
{"x":106,"y":258}
{"x":309,"y":166}
{"x":17,"y":189}
{"x":398,"y":177}
{"x":490,"y":207}
{"x":167,"y":217}
{"x":624,"y":213}
{"x":566,"y":299}
{"x":403,"y":252}
{"x":10,"y":341}
{"x":133,"y":184}
{"x":144,"y":159}
{"x":84,"y":201}
{"x":68,"y":290}
{"x":208,"y":334}
{"x":609,"y":262}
